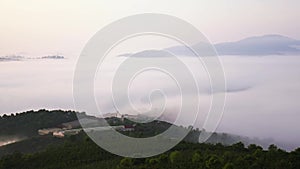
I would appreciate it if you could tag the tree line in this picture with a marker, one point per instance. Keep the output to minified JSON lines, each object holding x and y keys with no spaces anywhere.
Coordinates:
{"x":80,"y":152}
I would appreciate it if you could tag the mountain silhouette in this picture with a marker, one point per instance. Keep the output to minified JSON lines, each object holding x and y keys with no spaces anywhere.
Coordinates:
{"x":260,"y":45}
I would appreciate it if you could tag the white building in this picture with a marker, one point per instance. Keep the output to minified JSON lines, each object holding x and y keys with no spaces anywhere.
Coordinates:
{"x":58,"y":134}
{"x":48,"y":131}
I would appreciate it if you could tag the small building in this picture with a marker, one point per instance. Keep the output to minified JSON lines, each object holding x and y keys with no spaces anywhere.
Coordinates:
{"x":48,"y":131}
{"x":127,"y":128}
{"x":108,"y":115}
{"x":129,"y":116}
{"x":59,"y":134}
{"x":71,"y":132}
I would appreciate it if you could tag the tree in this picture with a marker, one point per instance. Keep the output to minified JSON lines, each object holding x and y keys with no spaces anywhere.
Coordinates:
{"x":213,"y":162}
{"x":228,"y":166}
{"x":197,"y":158}
{"x":239,"y":147}
{"x":272,"y":147}
{"x":174,"y":156}
{"x":252,"y":148}
{"x":126,"y":163}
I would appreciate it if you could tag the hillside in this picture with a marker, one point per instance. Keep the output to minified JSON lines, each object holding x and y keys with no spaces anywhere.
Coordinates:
{"x":26,"y":124}
{"x":78,"y":151}
{"x":22,"y":130}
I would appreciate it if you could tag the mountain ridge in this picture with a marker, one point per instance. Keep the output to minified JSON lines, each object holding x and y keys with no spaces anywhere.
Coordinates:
{"x":264,"y":45}
{"x":272,"y":44}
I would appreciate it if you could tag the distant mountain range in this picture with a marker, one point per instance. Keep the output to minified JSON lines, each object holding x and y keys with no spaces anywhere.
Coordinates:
{"x":260,"y":45}
{"x":252,"y":46}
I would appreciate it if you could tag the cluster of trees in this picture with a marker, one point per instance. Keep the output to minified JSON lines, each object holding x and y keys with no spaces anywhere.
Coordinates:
{"x":209,"y":156}
{"x":79,"y":152}
{"x":27,"y":123}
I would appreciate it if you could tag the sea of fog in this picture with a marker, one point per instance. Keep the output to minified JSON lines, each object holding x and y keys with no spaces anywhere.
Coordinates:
{"x":263,"y":93}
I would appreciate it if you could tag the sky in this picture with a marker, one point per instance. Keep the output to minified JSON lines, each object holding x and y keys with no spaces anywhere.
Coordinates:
{"x":36,"y":27}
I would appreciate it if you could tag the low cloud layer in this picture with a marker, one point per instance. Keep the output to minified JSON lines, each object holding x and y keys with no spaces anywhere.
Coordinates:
{"x":262,"y":94}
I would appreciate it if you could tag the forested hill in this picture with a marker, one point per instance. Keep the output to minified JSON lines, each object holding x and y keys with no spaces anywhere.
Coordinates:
{"x":79,"y":152}
{"x":27,"y":124}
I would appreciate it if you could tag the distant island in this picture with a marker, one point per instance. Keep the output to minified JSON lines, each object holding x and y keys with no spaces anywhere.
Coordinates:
{"x":11,"y":58}
{"x":24,"y":58}
{"x":53,"y":57}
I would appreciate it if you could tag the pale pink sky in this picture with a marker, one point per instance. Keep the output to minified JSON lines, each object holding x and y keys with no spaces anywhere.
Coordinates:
{"x":35,"y":27}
